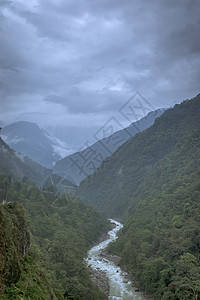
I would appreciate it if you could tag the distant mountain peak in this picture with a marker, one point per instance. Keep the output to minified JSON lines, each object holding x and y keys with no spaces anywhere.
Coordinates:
{"x":29,"y":139}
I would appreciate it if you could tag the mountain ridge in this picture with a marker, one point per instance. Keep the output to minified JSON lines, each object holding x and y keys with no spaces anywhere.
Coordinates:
{"x":17,"y":165}
{"x":32,"y":141}
{"x":124,"y":170}
{"x":81,"y":164}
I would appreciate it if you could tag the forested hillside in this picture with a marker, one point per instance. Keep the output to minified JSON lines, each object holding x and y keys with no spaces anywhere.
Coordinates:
{"x":153,"y":183}
{"x":160,"y":241}
{"x":53,"y":267}
{"x":19,"y":166}
{"x":115,"y":184}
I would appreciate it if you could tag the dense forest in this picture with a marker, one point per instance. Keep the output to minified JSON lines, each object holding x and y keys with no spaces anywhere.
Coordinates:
{"x":115,"y":184}
{"x":161,"y":238}
{"x":153,"y":183}
{"x":44,"y":259}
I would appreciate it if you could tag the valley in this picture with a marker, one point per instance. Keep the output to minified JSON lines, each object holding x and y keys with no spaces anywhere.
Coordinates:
{"x":150,"y":184}
{"x":99,"y":150}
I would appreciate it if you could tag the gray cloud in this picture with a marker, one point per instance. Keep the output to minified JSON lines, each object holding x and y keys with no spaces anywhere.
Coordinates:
{"x":85,"y":58}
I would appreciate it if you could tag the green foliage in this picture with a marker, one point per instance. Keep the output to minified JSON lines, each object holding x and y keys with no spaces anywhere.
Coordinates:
{"x":158,"y":196}
{"x":164,"y":226}
{"x":116,"y":182}
{"x":54,"y":267}
{"x":20,"y":276}
{"x":14,"y":242}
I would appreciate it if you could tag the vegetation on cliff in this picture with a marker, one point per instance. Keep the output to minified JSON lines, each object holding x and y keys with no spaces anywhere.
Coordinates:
{"x":53,"y":267}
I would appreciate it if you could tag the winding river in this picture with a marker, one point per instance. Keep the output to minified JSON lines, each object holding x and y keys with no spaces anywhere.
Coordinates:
{"x":120,"y":286}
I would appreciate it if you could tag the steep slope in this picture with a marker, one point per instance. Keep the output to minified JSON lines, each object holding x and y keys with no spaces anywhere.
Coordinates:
{"x":20,"y":273}
{"x":14,"y":164}
{"x":157,"y":193}
{"x":113,"y":186}
{"x":84,"y":163}
{"x":61,"y":236}
{"x":160,"y":242}
{"x":32,"y":141}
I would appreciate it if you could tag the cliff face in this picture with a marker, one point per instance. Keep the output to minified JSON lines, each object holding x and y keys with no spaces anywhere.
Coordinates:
{"x":14,"y":243}
{"x":21,"y":276}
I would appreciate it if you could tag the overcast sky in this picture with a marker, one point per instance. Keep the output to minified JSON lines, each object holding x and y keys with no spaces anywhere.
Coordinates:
{"x":72,"y":64}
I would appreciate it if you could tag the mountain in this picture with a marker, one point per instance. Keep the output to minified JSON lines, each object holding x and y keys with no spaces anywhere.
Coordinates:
{"x":153,"y":183}
{"x":32,"y":141}
{"x":116,"y":181}
{"x":83,"y":163}
{"x":17,"y":165}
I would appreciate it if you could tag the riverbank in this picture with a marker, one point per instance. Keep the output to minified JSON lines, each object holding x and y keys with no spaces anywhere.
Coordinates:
{"x":128,"y":276}
{"x":105,"y":270}
{"x":99,"y":277}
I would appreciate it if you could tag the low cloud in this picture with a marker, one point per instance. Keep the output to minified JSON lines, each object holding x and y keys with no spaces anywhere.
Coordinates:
{"x":81,"y":60}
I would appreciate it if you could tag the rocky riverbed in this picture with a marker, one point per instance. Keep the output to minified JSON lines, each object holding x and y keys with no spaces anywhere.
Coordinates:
{"x":106,"y":272}
{"x":100,"y":279}
{"x":116,"y":260}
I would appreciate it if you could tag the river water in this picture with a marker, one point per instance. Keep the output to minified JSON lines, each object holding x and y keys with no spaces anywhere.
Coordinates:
{"x":120,"y":286}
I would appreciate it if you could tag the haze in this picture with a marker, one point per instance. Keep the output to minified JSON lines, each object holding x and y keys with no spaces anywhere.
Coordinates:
{"x":70,"y":65}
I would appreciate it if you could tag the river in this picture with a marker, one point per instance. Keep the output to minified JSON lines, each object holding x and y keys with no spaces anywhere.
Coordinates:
{"x":120,"y":286}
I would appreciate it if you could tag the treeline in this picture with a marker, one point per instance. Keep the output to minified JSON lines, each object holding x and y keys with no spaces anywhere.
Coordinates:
{"x":153,"y":183}
{"x":61,"y":233}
